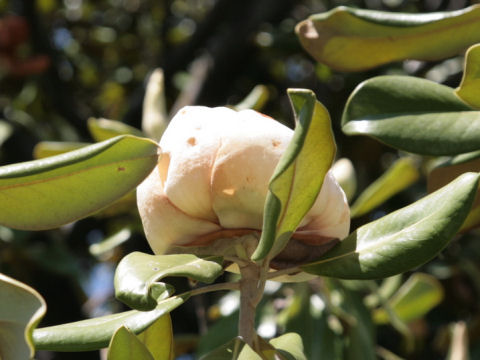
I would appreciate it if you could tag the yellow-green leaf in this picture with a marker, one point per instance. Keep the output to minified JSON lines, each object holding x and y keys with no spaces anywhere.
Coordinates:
{"x":51,"y":148}
{"x":158,"y":338}
{"x":299,"y":174}
{"x":103,"y":129}
{"x":126,"y":346}
{"x":255,"y":100}
{"x":21,"y":310}
{"x":416,"y":297}
{"x":47,"y":193}
{"x":401,"y":174}
{"x":469,"y":90}
{"x":349,"y":39}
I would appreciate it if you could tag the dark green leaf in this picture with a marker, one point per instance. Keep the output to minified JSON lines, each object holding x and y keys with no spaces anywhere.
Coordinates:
{"x":403,"y":239}
{"x":299,"y":174}
{"x":412,"y":114}
{"x":137,"y":275}
{"x":96,"y":333}
{"x":50,"y":192}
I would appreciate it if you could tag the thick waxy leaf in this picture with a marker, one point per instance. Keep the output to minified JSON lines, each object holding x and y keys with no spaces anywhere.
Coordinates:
{"x":299,"y":174}
{"x":412,"y":114}
{"x":126,"y":346}
{"x":445,"y":172}
{"x":50,"y":192}
{"x":138,"y":274}
{"x":158,"y":338}
{"x":21,"y":310}
{"x":420,"y":294}
{"x":403,"y":239}
{"x":94,"y":334}
{"x":103,"y":129}
{"x":399,"y":176}
{"x":51,"y":148}
{"x":349,"y":39}
{"x":469,"y":90}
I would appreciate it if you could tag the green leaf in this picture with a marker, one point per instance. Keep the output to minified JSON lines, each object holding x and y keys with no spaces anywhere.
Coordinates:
{"x":416,"y":297}
{"x":412,"y":114}
{"x":155,"y":118}
{"x":401,"y":174}
{"x":126,"y":346}
{"x":21,"y":310}
{"x":255,"y":100}
{"x":469,"y":90}
{"x":104,"y":129}
{"x":110,"y":243}
{"x":94,"y":334}
{"x":290,"y":346}
{"x":234,"y":349}
{"x":349,"y":39}
{"x":158,"y":338}
{"x":448,"y":170}
{"x":51,"y":148}
{"x":403,"y":239}
{"x":137,"y":275}
{"x":47,"y":193}
{"x":299,"y":174}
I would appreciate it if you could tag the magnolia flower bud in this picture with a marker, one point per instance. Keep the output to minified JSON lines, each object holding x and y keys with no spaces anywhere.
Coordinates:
{"x":212,"y":179}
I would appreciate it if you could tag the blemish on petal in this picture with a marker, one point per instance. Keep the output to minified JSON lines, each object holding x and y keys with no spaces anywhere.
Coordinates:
{"x":120,"y":168}
{"x":275,"y":143}
{"x":192,"y":141}
{"x":229,"y":192}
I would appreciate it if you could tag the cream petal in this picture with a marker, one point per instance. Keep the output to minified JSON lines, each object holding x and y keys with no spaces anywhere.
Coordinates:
{"x":165,"y":224}
{"x":189,"y":147}
{"x":329,"y":216}
{"x":250,"y":150}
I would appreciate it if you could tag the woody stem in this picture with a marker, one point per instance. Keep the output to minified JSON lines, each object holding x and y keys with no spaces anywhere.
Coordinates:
{"x":252,"y":285}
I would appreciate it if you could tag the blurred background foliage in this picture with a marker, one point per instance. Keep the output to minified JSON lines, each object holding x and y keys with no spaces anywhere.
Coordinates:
{"x":63,"y":62}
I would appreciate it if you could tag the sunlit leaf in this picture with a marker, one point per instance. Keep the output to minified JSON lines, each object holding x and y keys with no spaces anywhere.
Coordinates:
{"x":416,"y":297}
{"x":104,"y":129}
{"x":255,"y":100}
{"x":51,"y":148}
{"x":5,"y":131}
{"x":412,"y":114}
{"x":469,"y":90}
{"x":299,"y":174}
{"x":401,"y":174}
{"x":138,"y":274}
{"x":94,"y":334}
{"x":126,"y":346}
{"x":404,"y":239}
{"x":349,"y":39}
{"x":21,"y":310}
{"x":111,"y":242}
{"x":235,"y":349}
{"x":50,"y":192}
{"x":158,"y":338}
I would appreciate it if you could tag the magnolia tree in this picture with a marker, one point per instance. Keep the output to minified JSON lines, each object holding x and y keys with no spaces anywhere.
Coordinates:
{"x":230,"y":190}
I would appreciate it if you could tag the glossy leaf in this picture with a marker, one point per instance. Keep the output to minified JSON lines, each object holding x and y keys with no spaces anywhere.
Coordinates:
{"x":404,"y":239}
{"x":416,"y":297}
{"x":158,"y":338}
{"x":103,"y":129}
{"x":299,"y":174}
{"x":401,"y":174}
{"x":349,"y":39}
{"x":469,"y":90}
{"x":50,"y":192}
{"x":137,"y":276}
{"x":93,"y":334}
{"x":413,"y":115}
{"x":126,"y":346}
{"x":255,"y":100}
{"x":51,"y":148}
{"x":21,"y":310}
{"x":448,"y":170}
